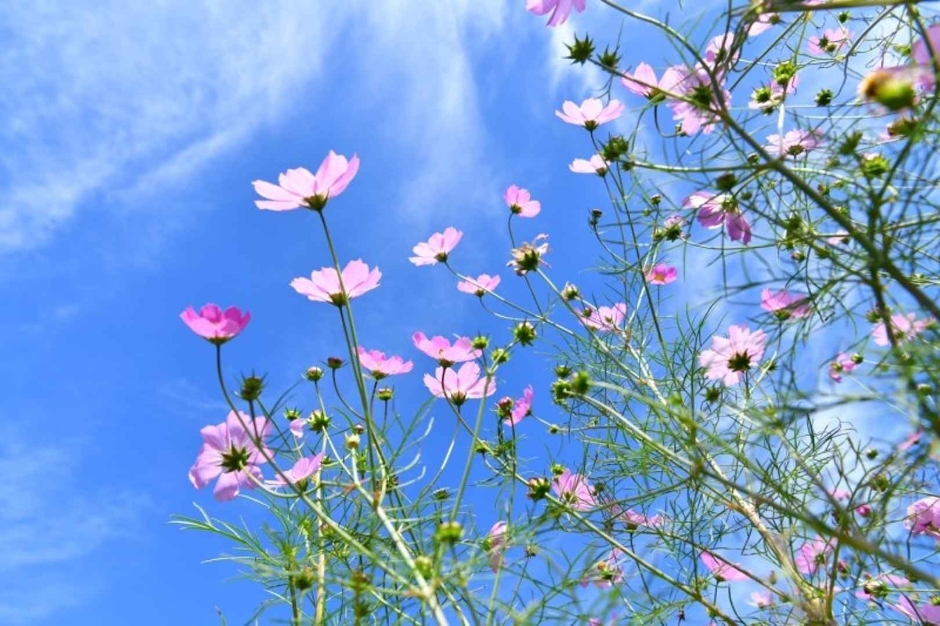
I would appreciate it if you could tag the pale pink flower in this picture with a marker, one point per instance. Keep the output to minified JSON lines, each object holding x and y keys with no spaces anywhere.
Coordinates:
{"x":633,"y":520}
{"x":495,"y":545}
{"x":324,"y":285}
{"x":912,"y":440}
{"x":730,"y":358}
{"x":214,"y":324}
{"x":693,"y":99}
{"x":838,"y":239}
{"x":903,"y":327}
{"x":811,"y":555}
{"x":842,"y":365}
{"x":643,"y":80}
{"x":721,"y":209}
{"x":785,"y":305}
{"x":606,"y":573}
{"x":605,"y":318}
{"x":299,"y":188}
{"x":591,"y":114}
{"x":596,"y":165}
{"x":303,"y":469}
{"x":229,"y":453}
{"x":520,"y":202}
{"x":761,"y":599}
{"x":480,"y":285}
{"x":923,"y":517}
{"x":436,"y":249}
{"x":560,"y":9}
{"x":661,"y":274}
{"x":574,"y":490}
{"x":878,"y":587}
{"x":721,"y":569}
{"x":528,"y":257}
{"x":718,"y":51}
{"x":445,"y":353}
{"x":380,"y":366}
{"x":460,"y":385}
{"x":764,"y":22}
{"x":919,"y":51}
{"x":522,"y":407}
{"x":793,"y":143}
{"x":830,"y":42}
{"x":296,"y":428}
{"x":925,"y":613}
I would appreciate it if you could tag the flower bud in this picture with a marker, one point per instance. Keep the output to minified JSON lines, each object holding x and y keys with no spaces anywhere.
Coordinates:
{"x":448,"y":533}
{"x":480,"y":342}
{"x":562,"y":371}
{"x":313,"y":374}
{"x":384,"y":394}
{"x":334,"y":362}
{"x":303,"y":580}
{"x":252,"y":386}
{"x":581,"y":383}
{"x":440,"y":495}
{"x":538,"y":488}
{"x":570,"y":292}
{"x":504,"y":407}
{"x":425,"y":566}
{"x":318,"y":421}
{"x":352,"y":441}
{"x":499,"y":356}
{"x":524,"y":333}
{"x":292,"y":414}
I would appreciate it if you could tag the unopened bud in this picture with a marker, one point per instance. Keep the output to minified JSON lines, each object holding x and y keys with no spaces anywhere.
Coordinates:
{"x":252,"y":386}
{"x":313,"y":374}
{"x":384,"y":394}
{"x":352,"y":441}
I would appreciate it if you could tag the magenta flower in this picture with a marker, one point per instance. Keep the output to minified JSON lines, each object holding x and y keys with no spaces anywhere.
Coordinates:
{"x":785,"y":305}
{"x":643,"y":80}
{"x":722,"y":570}
{"x":903,"y":327}
{"x":302,"y":470}
{"x":461,"y":385}
{"x":717,"y":210}
{"x":436,"y":249}
{"x":925,"y":613}
{"x":520,"y":202}
{"x":730,"y":358}
{"x":829,"y":42}
{"x":842,"y":365}
{"x":661,"y":274}
{"x":923,"y":517}
{"x":324,"y":285}
{"x":761,"y":599}
{"x":480,"y":285}
{"x":560,"y":9}
{"x":596,"y":165}
{"x":605,"y":318}
{"x":811,"y":555}
{"x":528,"y":257}
{"x":495,"y":545}
{"x":793,"y":143}
{"x":574,"y":490}
{"x":441,"y":350}
{"x":215,"y":325}
{"x":229,"y":454}
{"x":299,"y":188}
{"x":693,"y":99}
{"x":380,"y":366}
{"x":591,"y":114}
{"x":521,"y":408}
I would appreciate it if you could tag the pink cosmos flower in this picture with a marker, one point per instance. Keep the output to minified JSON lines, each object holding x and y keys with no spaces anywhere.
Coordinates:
{"x":380,"y":366}
{"x":785,"y":305}
{"x":925,"y":613}
{"x":838,"y":239}
{"x":495,"y":545}
{"x":717,"y":210}
{"x":830,"y":42}
{"x":436,"y":249}
{"x":303,"y":469}
{"x":730,"y":358}
{"x":461,"y":385}
{"x":632,"y":520}
{"x":693,"y":99}
{"x":480,"y":285}
{"x":912,"y":440}
{"x":521,"y":408}
{"x":605,"y":318}
{"x":520,"y":202}
{"x":560,"y":9}
{"x":761,"y":599}
{"x":661,"y":274}
{"x":842,"y":365}
{"x":811,"y":555}
{"x":903,"y":327}
{"x":440,"y":349}
{"x":763,"y":23}
{"x":923,"y":517}
{"x":324,"y":285}
{"x":591,"y":114}
{"x":574,"y":490}
{"x":718,"y":51}
{"x":299,"y":188}
{"x":793,"y":143}
{"x":878,"y":587}
{"x":919,"y":50}
{"x":215,"y":325}
{"x":297,"y":427}
{"x":722,"y":570}
{"x":596,"y":165}
{"x":643,"y":80}
{"x":528,"y":257}
{"x":606,"y":573}
{"x":229,"y":453}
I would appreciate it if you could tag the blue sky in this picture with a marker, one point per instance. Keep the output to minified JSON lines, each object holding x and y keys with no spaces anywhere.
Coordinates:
{"x":130,"y":135}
